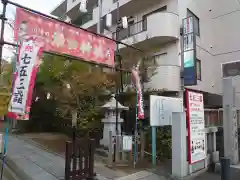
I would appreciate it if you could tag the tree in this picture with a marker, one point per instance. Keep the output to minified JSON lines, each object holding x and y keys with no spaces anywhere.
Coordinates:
{"x":5,"y":86}
{"x":74,"y":85}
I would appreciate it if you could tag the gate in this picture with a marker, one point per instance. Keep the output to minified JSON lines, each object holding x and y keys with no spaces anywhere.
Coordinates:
{"x":79,"y":158}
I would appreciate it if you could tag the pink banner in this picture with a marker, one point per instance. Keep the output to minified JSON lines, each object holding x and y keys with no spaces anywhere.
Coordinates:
{"x":64,"y":39}
{"x":137,"y":83}
{"x":28,"y":61}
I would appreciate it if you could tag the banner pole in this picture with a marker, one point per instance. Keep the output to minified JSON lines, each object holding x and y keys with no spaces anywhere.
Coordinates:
{"x":136,"y":132}
{"x":154,"y":154}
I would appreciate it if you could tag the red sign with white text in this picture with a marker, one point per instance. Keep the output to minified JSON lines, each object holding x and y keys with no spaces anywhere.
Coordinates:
{"x":196,"y":125}
{"x":64,"y":39}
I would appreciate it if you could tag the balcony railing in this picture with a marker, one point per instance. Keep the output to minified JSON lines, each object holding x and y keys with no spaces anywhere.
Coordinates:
{"x":132,"y":30}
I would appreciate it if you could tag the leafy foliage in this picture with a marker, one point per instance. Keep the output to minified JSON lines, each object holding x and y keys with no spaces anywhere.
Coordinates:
{"x":74,"y":86}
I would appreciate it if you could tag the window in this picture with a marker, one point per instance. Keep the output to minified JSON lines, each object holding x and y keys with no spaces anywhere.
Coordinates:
{"x":144,"y":18}
{"x":195,"y":21}
{"x":199,"y":70}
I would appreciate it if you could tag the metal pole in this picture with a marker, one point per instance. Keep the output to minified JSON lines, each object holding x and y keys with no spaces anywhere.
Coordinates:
{"x":116,"y":58}
{"x":3,"y":18}
{"x":181,"y":92}
{"x":225,"y":169}
{"x":154,"y":148}
{"x":136,"y":133}
{"x":99,"y":25}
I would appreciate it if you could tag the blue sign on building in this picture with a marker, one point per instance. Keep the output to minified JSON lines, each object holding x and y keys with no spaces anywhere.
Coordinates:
{"x":189,"y":52}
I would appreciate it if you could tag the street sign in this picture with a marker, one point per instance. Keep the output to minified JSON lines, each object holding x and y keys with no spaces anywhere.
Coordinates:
{"x":161,"y":109}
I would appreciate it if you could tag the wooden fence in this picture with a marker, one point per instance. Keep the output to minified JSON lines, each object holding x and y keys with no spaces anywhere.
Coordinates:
{"x":79,"y":163}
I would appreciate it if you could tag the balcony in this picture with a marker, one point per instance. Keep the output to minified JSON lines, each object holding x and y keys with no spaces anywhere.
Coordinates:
{"x":158,"y":28}
{"x":132,"y":30}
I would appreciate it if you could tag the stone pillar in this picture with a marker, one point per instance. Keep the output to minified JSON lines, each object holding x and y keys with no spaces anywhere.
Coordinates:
{"x":110,"y":125}
{"x":179,"y":145}
{"x":230,"y":131}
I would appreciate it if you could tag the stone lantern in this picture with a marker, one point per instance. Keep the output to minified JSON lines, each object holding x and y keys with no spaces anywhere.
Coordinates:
{"x":110,"y":120}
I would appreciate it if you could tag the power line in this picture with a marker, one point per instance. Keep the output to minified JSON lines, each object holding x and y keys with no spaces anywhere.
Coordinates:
{"x":218,"y":54}
{"x":225,"y":14}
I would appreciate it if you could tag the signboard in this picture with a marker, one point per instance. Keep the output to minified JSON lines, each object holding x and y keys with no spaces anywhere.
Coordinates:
{"x":24,"y":77}
{"x":189,"y":52}
{"x":161,"y":109}
{"x":64,"y":39}
{"x":127,"y":143}
{"x":196,"y":127}
{"x":231,"y":69}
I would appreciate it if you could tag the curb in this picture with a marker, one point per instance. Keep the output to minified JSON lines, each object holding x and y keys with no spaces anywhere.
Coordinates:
{"x":8,"y":172}
{"x":17,"y":171}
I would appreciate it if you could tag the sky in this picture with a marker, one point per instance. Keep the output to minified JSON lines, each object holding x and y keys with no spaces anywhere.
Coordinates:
{"x":44,"y":6}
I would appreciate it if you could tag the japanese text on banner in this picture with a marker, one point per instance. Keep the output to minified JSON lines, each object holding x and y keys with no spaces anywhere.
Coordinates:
{"x":27,"y":60}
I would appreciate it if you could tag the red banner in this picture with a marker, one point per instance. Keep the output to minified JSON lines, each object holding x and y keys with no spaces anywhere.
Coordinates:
{"x":64,"y":39}
{"x":137,"y":83}
{"x":27,"y":65}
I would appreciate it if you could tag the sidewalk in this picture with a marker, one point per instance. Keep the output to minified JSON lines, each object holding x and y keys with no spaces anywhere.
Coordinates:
{"x":34,"y":163}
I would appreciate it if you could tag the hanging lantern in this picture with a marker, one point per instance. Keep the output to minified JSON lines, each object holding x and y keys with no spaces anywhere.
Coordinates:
{"x":68,"y":19}
{"x":68,"y":86}
{"x":48,"y":95}
{"x":109,"y":20}
{"x":37,"y":98}
{"x":124,"y":22}
{"x":83,"y":6}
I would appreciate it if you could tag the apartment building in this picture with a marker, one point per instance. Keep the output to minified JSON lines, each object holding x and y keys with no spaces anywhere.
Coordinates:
{"x":154,"y":26}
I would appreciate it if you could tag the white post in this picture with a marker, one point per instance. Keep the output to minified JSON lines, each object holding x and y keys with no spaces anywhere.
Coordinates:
{"x":179,"y":145}
{"x":230,"y":131}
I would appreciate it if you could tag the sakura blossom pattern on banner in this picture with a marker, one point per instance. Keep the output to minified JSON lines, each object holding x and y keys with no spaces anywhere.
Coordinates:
{"x":24,"y":79}
{"x":61,"y":38}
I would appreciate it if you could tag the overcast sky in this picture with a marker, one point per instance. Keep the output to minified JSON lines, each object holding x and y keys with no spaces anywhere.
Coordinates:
{"x":45,"y":6}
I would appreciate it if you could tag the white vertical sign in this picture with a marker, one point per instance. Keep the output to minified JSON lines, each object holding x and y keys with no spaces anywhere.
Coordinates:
{"x":127,"y":143}
{"x":27,"y":60}
{"x":196,"y":127}
{"x":161,"y":109}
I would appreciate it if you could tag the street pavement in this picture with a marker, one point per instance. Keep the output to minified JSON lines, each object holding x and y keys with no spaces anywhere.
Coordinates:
{"x":32,"y":162}
{"x":28,"y":160}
